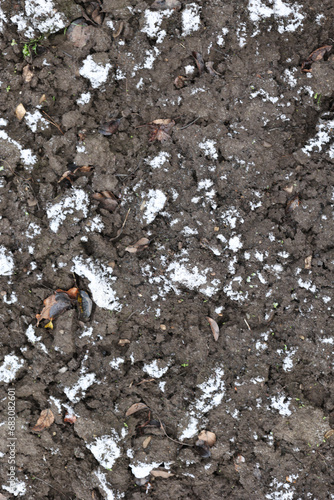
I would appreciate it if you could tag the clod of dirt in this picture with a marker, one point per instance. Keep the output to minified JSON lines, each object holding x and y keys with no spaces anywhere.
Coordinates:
{"x":308,"y":262}
{"x":109,"y":128}
{"x":79,"y":33}
{"x":316,"y":55}
{"x":166,"y":4}
{"x":74,"y":172}
{"x":161,"y":129}
{"x":139,"y":246}
{"x":136,"y":407}
{"x":71,"y":419}
{"x":107,"y":200}
{"x":180,"y":82}
{"x":85,"y":305}
{"x":208,"y":437}
{"x":214,"y":329}
{"x":45,"y":420}
{"x":199,"y":61}
{"x":20,"y":111}
{"x":292,"y":204}
{"x":161,"y":473}
{"x":202,"y":448}
{"x":27,"y":73}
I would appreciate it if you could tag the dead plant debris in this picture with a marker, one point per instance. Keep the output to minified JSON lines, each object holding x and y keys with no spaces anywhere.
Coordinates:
{"x":316,"y":55}
{"x":70,"y":418}
{"x":61,"y":301}
{"x":214,"y":328}
{"x":79,"y":33}
{"x":161,"y":129}
{"x":202,"y":448}
{"x":180,"y":81}
{"x":136,"y":407}
{"x":308,"y":262}
{"x":161,"y":473}
{"x":208,"y":436}
{"x":107,"y":200}
{"x":27,"y":73}
{"x":139,"y":246}
{"x":292,"y":204}
{"x":73,"y":172}
{"x":20,"y":111}
{"x":46,"y":419}
{"x":110,"y":127}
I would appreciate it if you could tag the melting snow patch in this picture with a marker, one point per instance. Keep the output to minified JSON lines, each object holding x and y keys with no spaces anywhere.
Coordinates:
{"x":105,"y":449}
{"x":278,"y":403}
{"x":323,"y":136}
{"x":156,"y":202}
{"x":30,"y":334}
{"x":27,"y":157}
{"x":115,"y":363}
{"x":307,"y":285}
{"x":16,"y":488}
{"x":279,"y":9}
{"x":34,"y":120}
{"x":191,"y":20}
{"x":10,"y":299}
{"x":81,"y":386}
{"x":159,"y":160}
{"x":97,"y":73}
{"x":153,"y":20}
{"x":11,"y":365}
{"x":84,"y":98}
{"x":76,"y":201}
{"x":209,"y":148}
{"x":153,"y":370}
{"x":235,"y":243}
{"x":140,"y":469}
{"x":43,"y":15}
{"x":6,"y":262}
{"x":192,"y":278}
{"x":110,"y":495}
{"x":100,"y":278}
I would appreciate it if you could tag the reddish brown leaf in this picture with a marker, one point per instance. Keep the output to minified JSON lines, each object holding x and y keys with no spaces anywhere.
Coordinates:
{"x":45,"y":420}
{"x":199,"y":61}
{"x":214,"y":328}
{"x":161,"y":473}
{"x":179,"y":82}
{"x":316,"y":55}
{"x":72,"y":292}
{"x":109,"y":128}
{"x":70,"y":418}
{"x":160,"y":129}
{"x":139,"y":246}
{"x":74,"y":172}
{"x":135,"y":407}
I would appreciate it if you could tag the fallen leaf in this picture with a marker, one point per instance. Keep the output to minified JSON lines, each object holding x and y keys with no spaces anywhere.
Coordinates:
{"x":288,"y":189}
{"x":208,"y":437}
{"x":202,"y":448}
{"x":74,"y":172}
{"x":292,"y":204}
{"x":27,"y":73}
{"x":72,"y":292}
{"x":49,"y":325}
{"x":147,"y":441}
{"x":79,"y":33}
{"x":42,"y":99}
{"x":199,"y":61}
{"x":180,"y":82}
{"x":329,"y":434}
{"x":85,"y":305}
{"x":107,"y":200}
{"x":166,"y":4}
{"x":135,"y":407}
{"x":56,"y":304}
{"x":316,"y":55}
{"x":123,"y":342}
{"x":119,"y":30}
{"x":20,"y":111}
{"x":139,"y":246}
{"x":214,"y":328}
{"x":109,"y":128}
{"x":308,"y":262}
{"x":45,"y":420}
{"x":94,"y":10}
{"x":161,"y":473}
{"x":160,"y":129}
{"x":70,"y":418}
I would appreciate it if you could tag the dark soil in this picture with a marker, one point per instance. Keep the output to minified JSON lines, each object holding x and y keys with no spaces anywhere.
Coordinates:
{"x":232,"y":204}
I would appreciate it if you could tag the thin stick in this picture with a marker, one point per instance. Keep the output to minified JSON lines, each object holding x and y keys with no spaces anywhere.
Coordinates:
{"x":119,"y":232}
{"x":42,"y":481}
{"x":245,"y":320}
{"x":191,"y":123}
{"x":53,"y":123}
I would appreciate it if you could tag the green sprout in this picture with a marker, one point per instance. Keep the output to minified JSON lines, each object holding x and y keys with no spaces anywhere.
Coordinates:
{"x":185,"y":364}
{"x":275,"y":305}
{"x":8,"y":88}
{"x":13,"y":42}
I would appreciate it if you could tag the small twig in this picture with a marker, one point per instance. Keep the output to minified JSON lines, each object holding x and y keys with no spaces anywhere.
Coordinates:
{"x":146,"y":381}
{"x":191,"y":123}
{"x":174,"y":440}
{"x":42,"y":481}
{"x":53,"y":123}
{"x":245,"y":320}
{"x":119,"y":232}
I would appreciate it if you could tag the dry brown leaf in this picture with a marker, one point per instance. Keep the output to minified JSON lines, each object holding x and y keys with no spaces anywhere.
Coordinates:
{"x":211,"y":70}
{"x":54,"y":305}
{"x":316,"y":55}
{"x":42,"y":99}
{"x":160,"y":129}
{"x":199,"y":61}
{"x":161,"y":473}
{"x":109,"y":128}
{"x":135,"y":407}
{"x":214,"y":328}
{"x":147,"y":441}
{"x":180,"y":81}
{"x":107,"y":200}
{"x":20,"y":111}
{"x":74,"y":172}
{"x":329,"y":434}
{"x":45,"y":420}
{"x":308,"y":262}
{"x":70,"y":418}
{"x":27,"y":73}
{"x":208,"y":437}
{"x":123,"y":342}
{"x":292,"y":204}
{"x":288,"y":189}
{"x":138,"y":246}
{"x":238,"y":462}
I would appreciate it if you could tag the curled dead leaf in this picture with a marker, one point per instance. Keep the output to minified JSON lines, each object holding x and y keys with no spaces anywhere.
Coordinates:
{"x":42,"y":99}
{"x":180,"y":82}
{"x":54,"y":305}
{"x":292,"y":204}
{"x":139,"y":246}
{"x":85,"y":305}
{"x":329,"y":434}
{"x":147,"y":441}
{"x":74,"y":172}
{"x":109,"y":128}
{"x":123,"y":342}
{"x":161,"y":129}
{"x":308,"y":262}
{"x":136,"y":407}
{"x":199,"y":61}
{"x":316,"y":55}
{"x":27,"y":73}
{"x":107,"y":200}
{"x":210,"y":69}
{"x":208,"y":437}
{"x":20,"y":111}
{"x":161,"y":473}
{"x":45,"y":420}
{"x":214,"y":328}
{"x":94,"y":10}
{"x":70,"y":418}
